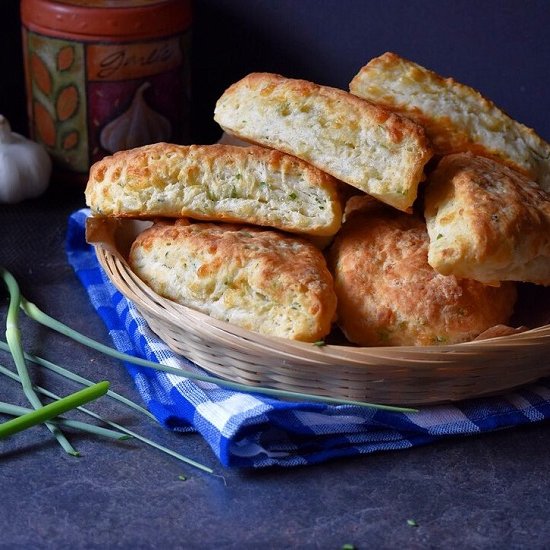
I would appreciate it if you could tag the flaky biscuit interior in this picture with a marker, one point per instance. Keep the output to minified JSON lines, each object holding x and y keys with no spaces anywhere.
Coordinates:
{"x":252,"y":185}
{"x":456,"y":117}
{"x":355,"y":141}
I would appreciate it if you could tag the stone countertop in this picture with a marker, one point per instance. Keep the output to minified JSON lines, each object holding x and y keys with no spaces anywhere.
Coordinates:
{"x":489,"y":491}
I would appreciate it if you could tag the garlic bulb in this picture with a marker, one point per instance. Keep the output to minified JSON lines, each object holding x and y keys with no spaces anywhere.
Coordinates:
{"x":25,"y":166}
{"x":139,"y":125}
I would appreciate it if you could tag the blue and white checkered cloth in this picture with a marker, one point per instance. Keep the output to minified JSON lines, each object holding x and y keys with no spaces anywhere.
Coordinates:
{"x":247,"y":430}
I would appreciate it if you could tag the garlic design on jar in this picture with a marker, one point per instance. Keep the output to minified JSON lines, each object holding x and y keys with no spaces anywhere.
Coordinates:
{"x":139,"y":125}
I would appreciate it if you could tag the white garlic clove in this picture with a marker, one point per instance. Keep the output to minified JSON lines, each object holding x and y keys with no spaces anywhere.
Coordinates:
{"x":25,"y":166}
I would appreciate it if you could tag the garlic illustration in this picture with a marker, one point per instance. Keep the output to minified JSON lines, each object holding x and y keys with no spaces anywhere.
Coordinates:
{"x":139,"y":125}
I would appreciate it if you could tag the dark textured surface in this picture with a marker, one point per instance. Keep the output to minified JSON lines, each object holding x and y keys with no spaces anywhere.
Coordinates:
{"x":490,"y":491}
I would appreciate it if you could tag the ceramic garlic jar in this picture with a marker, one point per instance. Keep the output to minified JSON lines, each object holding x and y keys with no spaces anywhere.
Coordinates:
{"x":105,"y":75}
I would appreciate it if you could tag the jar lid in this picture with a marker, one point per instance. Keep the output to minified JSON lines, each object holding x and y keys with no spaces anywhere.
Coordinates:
{"x":107,"y":18}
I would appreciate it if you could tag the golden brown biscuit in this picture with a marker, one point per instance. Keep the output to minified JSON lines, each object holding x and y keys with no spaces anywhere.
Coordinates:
{"x":388,"y":295}
{"x":457,"y":118}
{"x":359,"y":143}
{"x":216,"y":182}
{"x":487,"y":222}
{"x":261,"y":280}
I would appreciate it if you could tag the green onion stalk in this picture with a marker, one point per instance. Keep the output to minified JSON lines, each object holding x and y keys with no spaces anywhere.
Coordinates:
{"x":118,"y":427}
{"x":13,"y":338}
{"x":51,"y":410}
{"x":39,"y":316}
{"x":16,"y":410}
{"x":79,"y":379}
{"x":50,"y":413}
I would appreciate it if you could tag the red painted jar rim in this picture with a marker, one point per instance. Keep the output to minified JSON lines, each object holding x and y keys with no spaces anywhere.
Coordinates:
{"x":95,"y":19}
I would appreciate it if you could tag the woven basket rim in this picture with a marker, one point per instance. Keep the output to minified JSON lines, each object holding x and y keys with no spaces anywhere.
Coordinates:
{"x":203,"y":339}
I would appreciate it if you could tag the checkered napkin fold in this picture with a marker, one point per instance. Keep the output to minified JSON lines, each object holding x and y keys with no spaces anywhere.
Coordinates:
{"x":248,"y":430}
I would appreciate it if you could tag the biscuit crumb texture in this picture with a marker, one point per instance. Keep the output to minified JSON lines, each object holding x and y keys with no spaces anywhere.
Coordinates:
{"x":456,"y":117}
{"x":487,"y":222}
{"x":361,"y":144}
{"x":252,"y":185}
{"x":261,"y":280}
{"x":388,"y":295}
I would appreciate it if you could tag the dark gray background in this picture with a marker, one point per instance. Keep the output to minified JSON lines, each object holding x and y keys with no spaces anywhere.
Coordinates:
{"x":501,"y":47}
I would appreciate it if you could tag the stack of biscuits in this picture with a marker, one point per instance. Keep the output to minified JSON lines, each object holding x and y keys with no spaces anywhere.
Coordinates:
{"x":403,"y":212}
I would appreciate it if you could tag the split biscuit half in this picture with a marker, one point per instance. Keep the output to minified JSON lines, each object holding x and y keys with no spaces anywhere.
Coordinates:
{"x":253,"y":185}
{"x":457,"y":118}
{"x":361,"y":144}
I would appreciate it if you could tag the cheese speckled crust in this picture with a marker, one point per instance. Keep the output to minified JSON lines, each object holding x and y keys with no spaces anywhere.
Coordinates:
{"x":261,"y":280}
{"x":357,"y":142}
{"x":388,"y":295}
{"x":457,"y":118}
{"x":487,"y":222}
{"x":216,"y":182}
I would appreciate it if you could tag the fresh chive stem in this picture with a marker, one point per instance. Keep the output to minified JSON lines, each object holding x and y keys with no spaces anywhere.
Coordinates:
{"x":38,"y":315}
{"x":13,"y":338}
{"x":80,"y":379}
{"x":15,"y":410}
{"x":51,"y":410}
{"x":149,"y":442}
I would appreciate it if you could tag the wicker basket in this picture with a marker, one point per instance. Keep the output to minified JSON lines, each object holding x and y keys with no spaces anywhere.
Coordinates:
{"x":391,"y":375}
